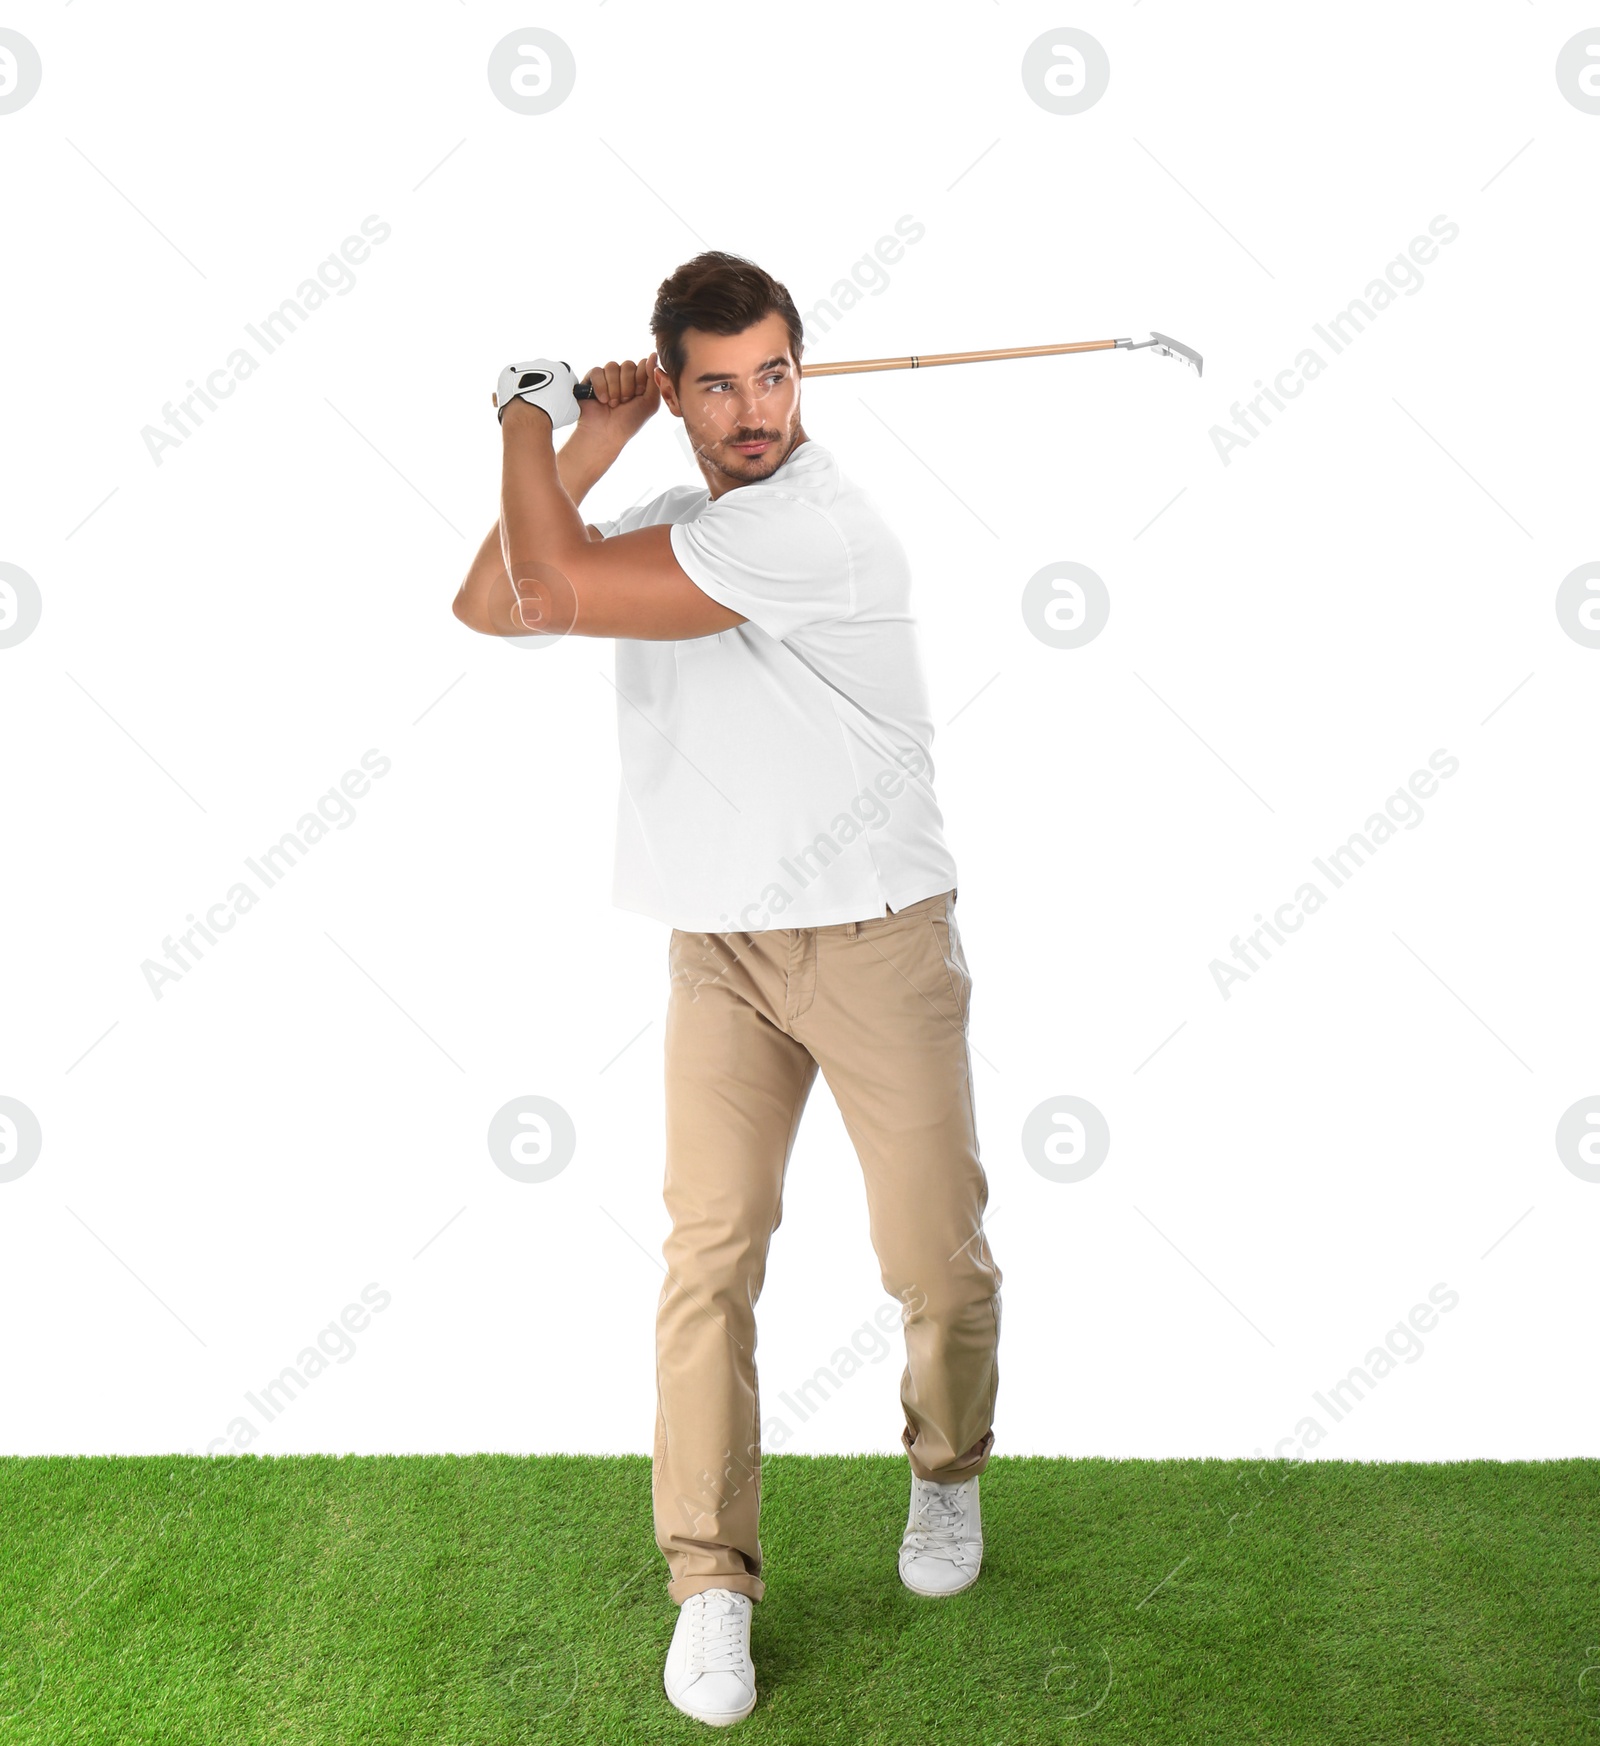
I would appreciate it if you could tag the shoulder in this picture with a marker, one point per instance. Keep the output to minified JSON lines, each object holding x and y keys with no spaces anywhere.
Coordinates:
{"x":805,"y":489}
{"x":679,"y":503}
{"x":811,"y":473}
{"x":813,"y":476}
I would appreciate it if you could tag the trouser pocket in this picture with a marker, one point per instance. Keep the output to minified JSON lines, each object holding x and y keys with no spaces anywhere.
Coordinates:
{"x":947,"y":936}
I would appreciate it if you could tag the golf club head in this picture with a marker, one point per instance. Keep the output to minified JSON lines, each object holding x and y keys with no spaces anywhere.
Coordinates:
{"x":1168,"y":347}
{"x":1171,"y":348}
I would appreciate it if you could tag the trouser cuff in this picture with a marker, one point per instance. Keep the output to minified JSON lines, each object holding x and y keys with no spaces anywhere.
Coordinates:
{"x":681,"y":1587}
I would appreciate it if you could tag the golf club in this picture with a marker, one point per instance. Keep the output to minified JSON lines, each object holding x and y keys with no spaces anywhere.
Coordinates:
{"x":1164,"y":345}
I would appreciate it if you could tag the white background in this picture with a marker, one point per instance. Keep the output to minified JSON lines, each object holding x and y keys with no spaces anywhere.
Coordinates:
{"x":1291,"y":635}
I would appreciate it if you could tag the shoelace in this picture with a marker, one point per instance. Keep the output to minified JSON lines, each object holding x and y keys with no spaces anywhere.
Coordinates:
{"x":939,"y":1521}
{"x":717,"y":1643}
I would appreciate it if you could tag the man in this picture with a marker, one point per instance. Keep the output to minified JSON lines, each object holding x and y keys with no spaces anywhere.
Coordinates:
{"x":777,"y":810}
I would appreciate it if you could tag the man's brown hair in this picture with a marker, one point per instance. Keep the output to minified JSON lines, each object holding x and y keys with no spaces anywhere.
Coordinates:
{"x":717,"y":293}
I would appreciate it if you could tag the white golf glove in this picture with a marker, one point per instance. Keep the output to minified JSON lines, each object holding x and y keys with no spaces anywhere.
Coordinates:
{"x":543,"y":382}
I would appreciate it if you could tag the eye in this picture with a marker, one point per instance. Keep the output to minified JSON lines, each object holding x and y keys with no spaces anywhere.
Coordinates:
{"x":772,"y":376}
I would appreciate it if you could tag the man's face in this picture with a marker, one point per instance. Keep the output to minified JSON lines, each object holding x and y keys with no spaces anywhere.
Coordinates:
{"x":739,"y":399}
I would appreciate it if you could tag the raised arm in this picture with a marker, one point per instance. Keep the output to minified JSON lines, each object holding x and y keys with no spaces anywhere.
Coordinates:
{"x":625,"y":395}
{"x":555,"y":575}
{"x":485,"y":599}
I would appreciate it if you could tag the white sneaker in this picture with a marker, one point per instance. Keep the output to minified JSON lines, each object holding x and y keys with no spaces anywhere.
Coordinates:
{"x":709,"y":1673}
{"x":943,"y":1545}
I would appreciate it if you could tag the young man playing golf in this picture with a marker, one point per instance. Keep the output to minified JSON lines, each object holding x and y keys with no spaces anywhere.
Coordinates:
{"x":777,"y":810}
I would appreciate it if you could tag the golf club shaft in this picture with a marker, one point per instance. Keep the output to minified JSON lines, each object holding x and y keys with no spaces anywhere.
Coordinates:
{"x":921,"y":362}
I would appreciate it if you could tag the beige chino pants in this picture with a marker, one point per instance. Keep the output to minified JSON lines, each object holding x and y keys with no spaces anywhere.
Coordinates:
{"x":881,"y":1006}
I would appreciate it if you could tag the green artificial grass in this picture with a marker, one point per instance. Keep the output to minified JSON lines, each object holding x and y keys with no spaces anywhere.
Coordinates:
{"x":489,"y":1599}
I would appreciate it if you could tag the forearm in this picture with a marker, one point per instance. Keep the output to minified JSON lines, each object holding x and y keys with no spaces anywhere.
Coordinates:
{"x":582,"y":461}
{"x":539,"y":520}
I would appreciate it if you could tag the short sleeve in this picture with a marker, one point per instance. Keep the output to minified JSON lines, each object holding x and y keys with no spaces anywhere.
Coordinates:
{"x":772,"y":557}
{"x":661,"y":508}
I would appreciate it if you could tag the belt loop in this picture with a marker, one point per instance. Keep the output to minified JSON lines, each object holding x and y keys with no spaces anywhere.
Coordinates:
{"x":850,"y":928}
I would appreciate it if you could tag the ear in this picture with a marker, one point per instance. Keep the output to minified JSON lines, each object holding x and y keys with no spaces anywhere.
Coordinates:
{"x":669,"y":394}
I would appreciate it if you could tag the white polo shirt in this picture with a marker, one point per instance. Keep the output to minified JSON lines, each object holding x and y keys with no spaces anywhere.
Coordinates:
{"x":779,"y":774}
